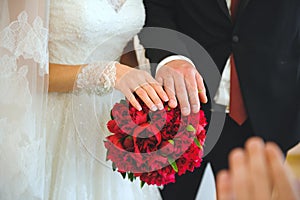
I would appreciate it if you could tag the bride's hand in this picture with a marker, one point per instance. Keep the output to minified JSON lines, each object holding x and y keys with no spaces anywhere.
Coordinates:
{"x":130,"y":80}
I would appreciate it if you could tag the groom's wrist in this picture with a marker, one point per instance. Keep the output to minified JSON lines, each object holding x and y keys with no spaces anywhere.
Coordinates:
{"x":172,"y":58}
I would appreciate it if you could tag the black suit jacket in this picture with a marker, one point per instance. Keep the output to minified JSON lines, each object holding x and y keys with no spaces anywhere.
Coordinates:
{"x":265,"y":42}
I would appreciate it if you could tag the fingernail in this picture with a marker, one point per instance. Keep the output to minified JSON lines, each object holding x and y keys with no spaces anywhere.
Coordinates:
{"x":172,"y":102}
{"x":223,"y":176}
{"x":160,"y":106}
{"x":185,"y":111}
{"x":238,"y":154}
{"x":255,"y":144}
{"x":195,"y":108}
{"x":139,"y":108}
{"x":154,"y":108}
{"x":166,"y":99}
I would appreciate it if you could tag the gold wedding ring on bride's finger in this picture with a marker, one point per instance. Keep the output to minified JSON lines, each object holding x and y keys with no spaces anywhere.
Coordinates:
{"x":140,"y":86}
{"x":143,"y":86}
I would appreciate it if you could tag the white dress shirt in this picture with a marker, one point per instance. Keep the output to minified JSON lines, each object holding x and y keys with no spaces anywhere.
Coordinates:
{"x":222,"y":96}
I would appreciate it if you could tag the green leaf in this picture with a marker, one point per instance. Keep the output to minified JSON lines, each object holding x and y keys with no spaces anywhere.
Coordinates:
{"x":171,"y":141}
{"x":106,"y":156}
{"x":111,"y":115}
{"x":123,"y":101}
{"x":201,"y":147}
{"x":190,"y":128}
{"x":124,"y":175}
{"x":172,"y":162}
{"x":197,"y":142}
{"x":114,"y":167}
{"x":127,"y":137}
{"x":130,"y":176}
{"x":149,"y":116}
{"x":142,"y":184}
{"x":169,"y":108}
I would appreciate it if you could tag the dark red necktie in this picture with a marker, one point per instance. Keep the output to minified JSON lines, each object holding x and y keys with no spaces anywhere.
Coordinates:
{"x":237,"y":107}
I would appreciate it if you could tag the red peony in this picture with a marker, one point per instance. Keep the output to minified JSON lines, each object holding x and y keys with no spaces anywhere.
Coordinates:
{"x":154,"y":146}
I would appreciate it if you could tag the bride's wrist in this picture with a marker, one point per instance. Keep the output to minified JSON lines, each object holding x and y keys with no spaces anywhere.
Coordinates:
{"x":97,"y":78}
{"x":121,"y":70}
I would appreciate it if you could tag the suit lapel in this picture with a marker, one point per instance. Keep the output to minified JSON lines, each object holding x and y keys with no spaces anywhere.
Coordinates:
{"x":224,"y":8}
{"x":243,"y":5}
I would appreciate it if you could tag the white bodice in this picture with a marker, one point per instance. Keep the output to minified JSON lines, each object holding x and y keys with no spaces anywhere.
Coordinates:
{"x":85,"y":31}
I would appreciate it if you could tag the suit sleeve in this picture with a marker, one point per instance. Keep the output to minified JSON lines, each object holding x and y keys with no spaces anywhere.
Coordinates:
{"x":162,"y":14}
{"x":298,"y":77}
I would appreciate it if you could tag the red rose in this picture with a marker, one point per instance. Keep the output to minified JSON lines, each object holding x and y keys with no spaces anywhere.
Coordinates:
{"x":119,"y":111}
{"x":160,"y":177}
{"x":182,"y":165}
{"x":193,"y":156}
{"x":113,"y":127}
{"x":115,"y":140}
{"x":203,"y":120}
{"x":158,"y":119}
{"x":140,"y":117}
{"x":156,"y":163}
{"x":130,"y":162}
{"x":182,"y":142}
{"x":146,"y":138}
{"x":143,"y":105}
{"x":124,"y":161}
{"x":127,"y":127}
{"x":166,"y":134}
{"x":128,"y":144}
{"x":201,"y":135}
{"x":166,"y":148}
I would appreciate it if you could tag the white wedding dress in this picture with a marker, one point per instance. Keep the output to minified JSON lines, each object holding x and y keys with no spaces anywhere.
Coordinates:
{"x":56,"y":152}
{"x":83,"y":32}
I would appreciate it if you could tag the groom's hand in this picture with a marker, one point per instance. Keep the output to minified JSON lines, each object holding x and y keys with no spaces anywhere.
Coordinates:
{"x":182,"y":80}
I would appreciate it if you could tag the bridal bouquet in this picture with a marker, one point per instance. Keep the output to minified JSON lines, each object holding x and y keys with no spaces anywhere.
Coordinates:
{"x":154,"y":146}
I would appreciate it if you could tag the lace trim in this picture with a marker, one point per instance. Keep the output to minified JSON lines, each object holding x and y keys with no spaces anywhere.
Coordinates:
{"x":94,"y":80}
{"x":23,"y":39}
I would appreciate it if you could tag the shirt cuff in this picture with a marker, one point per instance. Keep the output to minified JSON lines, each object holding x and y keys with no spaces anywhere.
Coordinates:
{"x":172,"y":58}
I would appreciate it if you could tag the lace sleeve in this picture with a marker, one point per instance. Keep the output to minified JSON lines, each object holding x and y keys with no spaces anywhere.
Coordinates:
{"x":97,"y":78}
